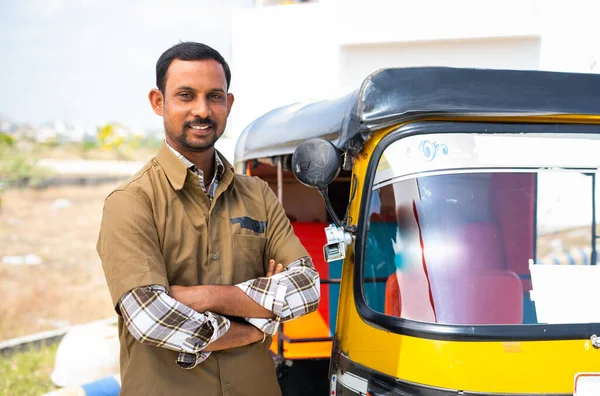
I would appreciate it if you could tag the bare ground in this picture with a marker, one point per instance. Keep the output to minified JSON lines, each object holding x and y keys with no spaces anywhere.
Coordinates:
{"x":59,"y":225}
{"x":563,"y":241}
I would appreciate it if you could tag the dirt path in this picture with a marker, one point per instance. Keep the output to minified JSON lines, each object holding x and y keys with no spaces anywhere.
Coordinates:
{"x":59,"y":227}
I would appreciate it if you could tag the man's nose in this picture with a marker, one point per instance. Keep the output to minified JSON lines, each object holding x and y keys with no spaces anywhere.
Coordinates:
{"x":201,"y":108}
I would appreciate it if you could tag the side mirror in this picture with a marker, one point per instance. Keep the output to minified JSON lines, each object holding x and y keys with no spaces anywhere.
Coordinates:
{"x":316,"y":163}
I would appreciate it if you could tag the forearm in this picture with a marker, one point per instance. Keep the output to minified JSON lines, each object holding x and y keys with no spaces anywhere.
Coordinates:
{"x":224,"y":300}
{"x":155,"y":319}
{"x":238,"y":335}
{"x":283,"y":296}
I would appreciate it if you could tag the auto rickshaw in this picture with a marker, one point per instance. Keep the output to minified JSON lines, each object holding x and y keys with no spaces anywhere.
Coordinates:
{"x":452,"y":216}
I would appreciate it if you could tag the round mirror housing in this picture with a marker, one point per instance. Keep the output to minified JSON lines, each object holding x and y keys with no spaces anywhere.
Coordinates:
{"x":316,"y":163}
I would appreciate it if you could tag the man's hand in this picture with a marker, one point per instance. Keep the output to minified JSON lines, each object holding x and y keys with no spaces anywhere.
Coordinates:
{"x":239,"y":334}
{"x":273,"y":270}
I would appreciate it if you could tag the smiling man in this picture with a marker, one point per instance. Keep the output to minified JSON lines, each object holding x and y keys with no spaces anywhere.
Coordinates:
{"x":189,"y":250}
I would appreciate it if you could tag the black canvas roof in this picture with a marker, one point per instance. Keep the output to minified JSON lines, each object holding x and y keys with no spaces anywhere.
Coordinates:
{"x":391,"y":96}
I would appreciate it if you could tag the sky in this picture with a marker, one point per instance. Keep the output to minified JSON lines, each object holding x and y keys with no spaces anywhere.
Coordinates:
{"x":93,"y":61}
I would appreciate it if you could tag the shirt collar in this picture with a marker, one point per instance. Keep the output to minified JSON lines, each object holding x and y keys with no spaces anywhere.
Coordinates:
{"x":176,"y":165}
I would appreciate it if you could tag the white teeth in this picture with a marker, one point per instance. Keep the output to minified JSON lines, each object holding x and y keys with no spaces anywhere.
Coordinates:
{"x":200,"y":126}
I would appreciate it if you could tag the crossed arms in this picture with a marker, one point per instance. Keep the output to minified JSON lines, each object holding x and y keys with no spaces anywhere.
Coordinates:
{"x":193,"y":320}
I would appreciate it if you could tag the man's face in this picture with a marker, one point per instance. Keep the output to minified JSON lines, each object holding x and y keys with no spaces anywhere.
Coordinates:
{"x":195,"y":104}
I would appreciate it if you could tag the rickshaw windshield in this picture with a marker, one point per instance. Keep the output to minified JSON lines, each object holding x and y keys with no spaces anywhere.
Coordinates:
{"x":484,"y":230}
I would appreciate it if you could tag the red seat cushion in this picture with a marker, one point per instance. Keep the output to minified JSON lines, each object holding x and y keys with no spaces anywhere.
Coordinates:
{"x":393,"y":302}
{"x":469,"y":282}
{"x":312,"y":236}
{"x":482,"y":245}
{"x":482,"y":297}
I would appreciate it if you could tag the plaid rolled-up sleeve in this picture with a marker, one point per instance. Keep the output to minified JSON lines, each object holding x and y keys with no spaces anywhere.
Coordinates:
{"x":290,"y":294}
{"x":154,"y":318}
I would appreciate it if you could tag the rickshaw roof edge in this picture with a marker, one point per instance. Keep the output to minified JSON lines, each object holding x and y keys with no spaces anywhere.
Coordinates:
{"x":391,"y":96}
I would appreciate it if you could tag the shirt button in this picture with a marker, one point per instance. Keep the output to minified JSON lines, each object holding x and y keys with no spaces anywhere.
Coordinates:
{"x":214,"y":256}
{"x":227,"y":386}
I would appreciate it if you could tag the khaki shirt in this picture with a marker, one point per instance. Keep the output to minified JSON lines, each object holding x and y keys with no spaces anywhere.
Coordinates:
{"x":160,"y":228}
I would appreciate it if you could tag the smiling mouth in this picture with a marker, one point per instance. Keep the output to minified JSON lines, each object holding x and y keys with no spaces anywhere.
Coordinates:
{"x":201,"y":130}
{"x":203,"y":127}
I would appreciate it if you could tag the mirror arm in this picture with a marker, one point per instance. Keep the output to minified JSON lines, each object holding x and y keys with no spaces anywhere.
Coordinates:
{"x":329,"y":207}
{"x":336,"y":220}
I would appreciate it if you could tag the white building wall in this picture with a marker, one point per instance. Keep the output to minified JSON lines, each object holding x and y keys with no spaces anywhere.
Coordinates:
{"x":380,"y":21}
{"x":357,"y":61}
{"x":570,"y":35}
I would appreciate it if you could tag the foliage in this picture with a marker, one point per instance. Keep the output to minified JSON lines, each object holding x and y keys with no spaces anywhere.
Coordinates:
{"x":27,"y":372}
{"x":112,"y":137}
{"x":6,"y":139}
{"x":109,"y":138}
{"x":16,"y":167}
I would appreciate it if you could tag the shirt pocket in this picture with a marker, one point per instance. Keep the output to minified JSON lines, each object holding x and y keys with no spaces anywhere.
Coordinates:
{"x":248,"y":257}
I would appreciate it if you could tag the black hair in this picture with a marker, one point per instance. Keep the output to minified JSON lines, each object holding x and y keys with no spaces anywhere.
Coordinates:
{"x":187,"y":51}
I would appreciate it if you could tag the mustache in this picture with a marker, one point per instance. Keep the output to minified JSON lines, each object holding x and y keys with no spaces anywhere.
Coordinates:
{"x":200,"y":121}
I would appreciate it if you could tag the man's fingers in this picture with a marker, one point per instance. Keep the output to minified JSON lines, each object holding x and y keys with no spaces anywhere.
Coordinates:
{"x":274,"y":269}
{"x":271,"y":268}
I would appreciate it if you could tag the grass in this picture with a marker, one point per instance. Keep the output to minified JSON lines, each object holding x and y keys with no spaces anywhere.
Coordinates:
{"x":28,"y":372}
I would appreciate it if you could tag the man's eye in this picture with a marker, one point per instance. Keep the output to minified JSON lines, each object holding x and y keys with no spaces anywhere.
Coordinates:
{"x":185,"y":95}
{"x":215,"y":96}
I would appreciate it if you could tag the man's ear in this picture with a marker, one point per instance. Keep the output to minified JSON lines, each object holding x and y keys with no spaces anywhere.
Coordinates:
{"x":156,"y":101}
{"x":230,"y":99}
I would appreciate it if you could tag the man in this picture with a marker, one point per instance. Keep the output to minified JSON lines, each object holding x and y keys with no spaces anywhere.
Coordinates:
{"x":189,"y":250}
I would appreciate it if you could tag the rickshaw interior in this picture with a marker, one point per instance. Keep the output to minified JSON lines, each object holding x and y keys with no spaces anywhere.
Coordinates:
{"x":477,"y":232}
{"x":308,"y":215}
{"x":455,"y":246}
